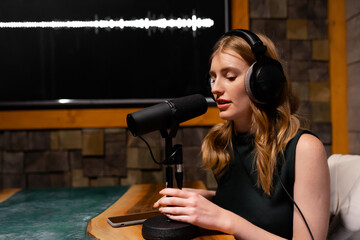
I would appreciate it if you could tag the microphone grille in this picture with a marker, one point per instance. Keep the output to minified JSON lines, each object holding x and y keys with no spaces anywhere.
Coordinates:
{"x":189,"y":107}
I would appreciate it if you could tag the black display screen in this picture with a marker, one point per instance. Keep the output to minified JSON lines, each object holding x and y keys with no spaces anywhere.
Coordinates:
{"x":106,"y":63}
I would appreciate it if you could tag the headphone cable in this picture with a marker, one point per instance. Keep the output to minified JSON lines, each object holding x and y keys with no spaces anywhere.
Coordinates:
{"x":282,"y":184}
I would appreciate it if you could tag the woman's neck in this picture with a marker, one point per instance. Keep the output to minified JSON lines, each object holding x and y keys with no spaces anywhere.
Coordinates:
{"x":243,"y":125}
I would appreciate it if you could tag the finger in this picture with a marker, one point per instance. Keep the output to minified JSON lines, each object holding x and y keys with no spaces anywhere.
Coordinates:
{"x":179,"y":218}
{"x":175,"y":192}
{"x":172,"y":201}
{"x":173,"y":210}
{"x":157,"y":203}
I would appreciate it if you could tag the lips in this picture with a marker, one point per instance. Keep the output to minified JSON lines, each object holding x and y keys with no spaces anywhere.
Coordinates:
{"x":222,"y":104}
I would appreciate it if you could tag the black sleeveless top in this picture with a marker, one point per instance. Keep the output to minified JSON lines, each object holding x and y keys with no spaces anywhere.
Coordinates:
{"x":238,"y":192}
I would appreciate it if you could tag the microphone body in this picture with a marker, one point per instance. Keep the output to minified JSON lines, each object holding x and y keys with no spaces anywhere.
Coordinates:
{"x":179,"y":168}
{"x":166,"y":114}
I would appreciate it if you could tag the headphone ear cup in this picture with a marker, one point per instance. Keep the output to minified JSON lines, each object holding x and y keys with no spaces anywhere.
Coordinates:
{"x":264,"y":81}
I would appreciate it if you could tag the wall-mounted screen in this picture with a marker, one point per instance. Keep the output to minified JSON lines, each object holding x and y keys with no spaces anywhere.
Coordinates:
{"x":107,"y":49}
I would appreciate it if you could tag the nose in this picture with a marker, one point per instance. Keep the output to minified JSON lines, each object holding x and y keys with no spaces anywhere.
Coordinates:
{"x":217,"y":88}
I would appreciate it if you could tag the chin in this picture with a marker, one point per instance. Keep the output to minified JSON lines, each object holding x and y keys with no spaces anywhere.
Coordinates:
{"x":225,"y":116}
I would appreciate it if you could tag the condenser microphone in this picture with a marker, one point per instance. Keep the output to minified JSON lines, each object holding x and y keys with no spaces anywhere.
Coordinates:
{"x":166,"y":114}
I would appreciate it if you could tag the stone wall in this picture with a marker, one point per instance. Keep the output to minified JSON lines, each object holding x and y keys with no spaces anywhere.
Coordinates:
{"x":92,"y":157}
{"x":353,"y":68}
{"x":299,"y":31}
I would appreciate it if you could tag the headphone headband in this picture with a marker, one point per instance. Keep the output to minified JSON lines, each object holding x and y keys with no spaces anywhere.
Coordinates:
{"x":257,"y":46}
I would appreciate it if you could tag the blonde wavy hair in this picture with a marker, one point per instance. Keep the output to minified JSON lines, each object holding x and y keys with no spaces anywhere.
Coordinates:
{"x":217,"y":143}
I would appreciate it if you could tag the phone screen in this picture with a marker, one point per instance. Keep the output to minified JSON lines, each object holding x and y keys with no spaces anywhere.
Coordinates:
{"x":131,"y":219}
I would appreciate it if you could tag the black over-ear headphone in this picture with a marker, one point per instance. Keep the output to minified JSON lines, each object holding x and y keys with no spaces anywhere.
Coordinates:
{"x":265,"y":78}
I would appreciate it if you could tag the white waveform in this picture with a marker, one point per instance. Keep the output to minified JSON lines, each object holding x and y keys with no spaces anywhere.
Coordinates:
{"x":194,"y":23}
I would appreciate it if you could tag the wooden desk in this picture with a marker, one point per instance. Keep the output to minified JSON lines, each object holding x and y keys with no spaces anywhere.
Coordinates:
{"x":139,"y":198}
{"x":7,"y":193}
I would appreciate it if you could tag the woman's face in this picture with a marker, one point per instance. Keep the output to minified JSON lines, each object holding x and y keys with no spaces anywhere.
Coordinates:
{"x":227,"y":72}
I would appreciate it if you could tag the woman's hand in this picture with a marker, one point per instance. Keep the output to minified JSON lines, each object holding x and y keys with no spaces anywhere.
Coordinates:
{"x":192,"y":207}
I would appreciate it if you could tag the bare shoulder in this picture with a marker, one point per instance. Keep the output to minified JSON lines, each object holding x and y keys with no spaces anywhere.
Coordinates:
{"x":310,"y":154}
{"x":309,"y":145}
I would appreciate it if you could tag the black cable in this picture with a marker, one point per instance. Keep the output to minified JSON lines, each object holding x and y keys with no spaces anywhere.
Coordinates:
{"x":152,"y":155}
{"x":282,"y":184}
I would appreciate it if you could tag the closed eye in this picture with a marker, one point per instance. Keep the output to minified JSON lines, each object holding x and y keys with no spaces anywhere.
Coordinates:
{"x":211,"y":81}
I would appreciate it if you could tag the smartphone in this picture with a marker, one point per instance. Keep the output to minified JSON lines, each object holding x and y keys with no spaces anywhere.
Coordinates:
{"x":131,"y":219}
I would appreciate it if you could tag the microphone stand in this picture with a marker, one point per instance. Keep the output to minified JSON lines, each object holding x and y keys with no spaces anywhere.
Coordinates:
{"x":161,"y":227}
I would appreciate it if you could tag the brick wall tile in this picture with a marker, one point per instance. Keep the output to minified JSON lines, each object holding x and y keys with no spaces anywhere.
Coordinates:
{"x":78,"y":178}
{"x":39,"y":140}
{"x":38,"y":180}
{"x":133,"y":177}
{"x":104,"y":181}
{"x":296,"y":29}
{"x":297,"y":8}
{"x":193,"y":136}
{"x":323,"y":131}
{"x":317,"y":9}
{"x":15,"y":140}
{"x":115,"y":165}
{"x":76,"y":159}
{"x":319,"y":71}
{"x":275,"y":29}
{"x":299,"y":71}
{"x":114,"y":148}
{"x":301,"y":90}
{"x":13,"y":162}
{"x":93,"y":166}
{"x":305,"y":111}
{"x":13,"y":180}
{"x":268,"y":9}
{"x":319,"y":92}
{"x":115,"y":135}
{"x":300,"y":49}
{"x":154,"y":139}
{"x":66,"y":139}
{"x":60,"y":179}
{"x":320,"y":50}
{"x":93,"y":142}
{"x":1,"y":164}
{"x":57,"y":161}
{"x":317,"y":29}
{"x":35,"y":162}
{"x":140,"y":158}
{"x":320,"y":112}
{"x":140,"y":177}
{"x":193,"y":169}
{"x":1,"y":140}
{"x":154,"y":177}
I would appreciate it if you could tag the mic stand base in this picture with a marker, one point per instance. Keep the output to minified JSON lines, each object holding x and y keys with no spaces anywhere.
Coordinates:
{"x":162,"y":228}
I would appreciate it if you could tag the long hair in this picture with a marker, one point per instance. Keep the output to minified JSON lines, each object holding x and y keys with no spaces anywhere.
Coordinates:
{"x":217,"y":143}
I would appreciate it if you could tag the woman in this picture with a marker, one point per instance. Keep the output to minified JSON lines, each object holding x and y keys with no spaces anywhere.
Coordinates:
{"x":263,"y":161}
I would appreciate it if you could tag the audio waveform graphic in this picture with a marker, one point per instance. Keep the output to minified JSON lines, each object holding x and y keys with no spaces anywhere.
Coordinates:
{"x":143,"y":23}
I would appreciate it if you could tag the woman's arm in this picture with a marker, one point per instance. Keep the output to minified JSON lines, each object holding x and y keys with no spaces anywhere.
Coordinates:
{"x":311,"y":188}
